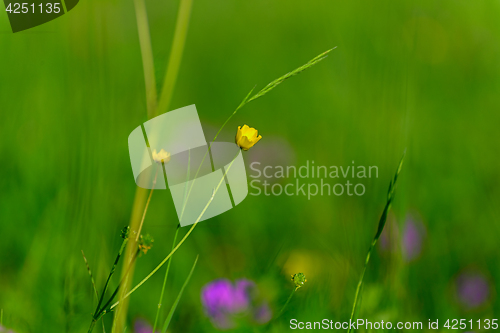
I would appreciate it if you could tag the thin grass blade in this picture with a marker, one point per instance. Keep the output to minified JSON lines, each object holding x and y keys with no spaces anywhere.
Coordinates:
{"x":91,"y":276}
{"x":165,"y":280}
{"x":174,"y":306}
{"x":380,"y":228}
{"x":288,"y":75}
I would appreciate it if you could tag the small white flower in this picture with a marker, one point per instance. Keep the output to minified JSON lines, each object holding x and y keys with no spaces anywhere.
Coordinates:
{"x":162,"y":156}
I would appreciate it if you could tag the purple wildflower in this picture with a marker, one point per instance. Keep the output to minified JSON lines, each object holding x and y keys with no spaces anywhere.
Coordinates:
{"x":4,"y":330}
{"x":412,"y":238}
{"x":389,"y":239}
{"x":223,"y":300}
{"x":262,"y":314}
{"x":473,"y":289}
{"x":141,"y":326}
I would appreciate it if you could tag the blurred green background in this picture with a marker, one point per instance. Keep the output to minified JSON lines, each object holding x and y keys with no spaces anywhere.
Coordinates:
{"x":418,"y":75}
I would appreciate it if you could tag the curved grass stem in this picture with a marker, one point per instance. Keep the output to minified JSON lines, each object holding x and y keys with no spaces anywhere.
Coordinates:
{"x":147,"y":205}
{"x":270,"y":86}
{"x":287,"y":301}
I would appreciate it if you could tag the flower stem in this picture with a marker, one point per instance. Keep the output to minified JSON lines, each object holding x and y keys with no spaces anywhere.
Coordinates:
{"x":173,"y":245}
{"x":147,"y":205}
{"x":287,"y":301}
{"x":210,"y":147}
{"x":165,"y":281}
{"x":270,"y":86}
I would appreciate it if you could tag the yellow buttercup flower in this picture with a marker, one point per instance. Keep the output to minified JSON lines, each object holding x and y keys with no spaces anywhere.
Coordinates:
{"x":247,"y":137}
{"x":162,"y":156}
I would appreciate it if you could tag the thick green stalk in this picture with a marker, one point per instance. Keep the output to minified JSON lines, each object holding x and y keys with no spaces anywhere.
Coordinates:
{"x":147,"y":56}
{"x":174,"y":62}
{"x":152,"y":101}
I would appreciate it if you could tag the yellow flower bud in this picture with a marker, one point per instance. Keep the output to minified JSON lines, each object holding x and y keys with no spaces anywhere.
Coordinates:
{"x":162,"y":156}
{"x":247,"y":137}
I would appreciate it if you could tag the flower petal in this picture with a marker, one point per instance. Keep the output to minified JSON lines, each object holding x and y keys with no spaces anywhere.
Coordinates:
{"x":251,"y":134}
{"x":238,"y":134}
{"x":245,"y":143}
